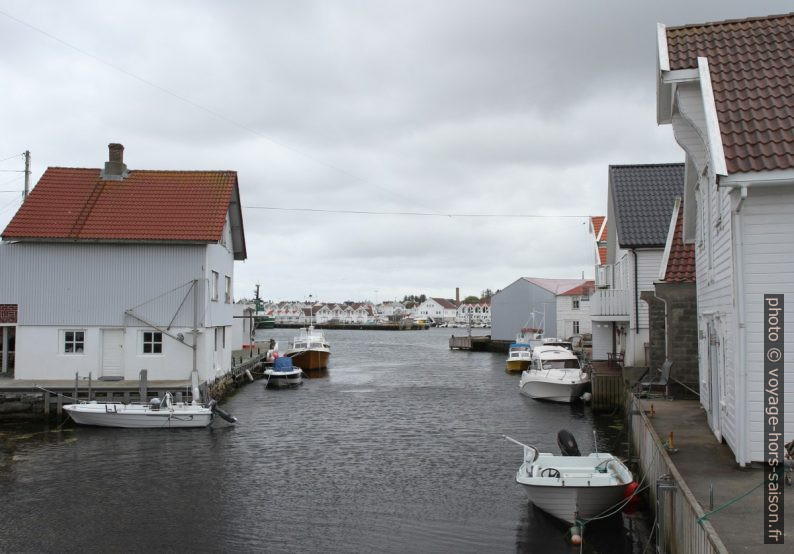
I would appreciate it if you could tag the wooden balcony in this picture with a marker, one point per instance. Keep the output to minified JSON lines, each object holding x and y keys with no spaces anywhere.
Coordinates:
{"x":609,"y":304}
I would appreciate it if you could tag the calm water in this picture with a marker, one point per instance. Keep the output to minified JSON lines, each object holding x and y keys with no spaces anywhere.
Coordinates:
{"x":397,"y":449}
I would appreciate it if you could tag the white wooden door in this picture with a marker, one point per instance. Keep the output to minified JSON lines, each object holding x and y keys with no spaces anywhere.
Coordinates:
{"x":112,"y":353}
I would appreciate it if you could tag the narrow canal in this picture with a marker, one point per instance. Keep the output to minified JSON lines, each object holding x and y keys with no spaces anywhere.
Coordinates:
{"x":397,"y":449}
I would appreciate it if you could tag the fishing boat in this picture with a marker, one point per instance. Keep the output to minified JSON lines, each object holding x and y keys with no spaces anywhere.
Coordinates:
{"x":519,"y":356}
{"x":309,"y":350}
{"x":555,"y":374}
{"x":571,"y":487}
{"x":156,"y":414}
{"x":283,"y":374}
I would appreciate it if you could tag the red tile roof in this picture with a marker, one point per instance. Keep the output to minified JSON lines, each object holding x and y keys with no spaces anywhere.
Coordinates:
{"x":75,"y":204}
{"x":446,"y":304}
{"x":752,"y":73}
{"x":585,"y":288}
{"x":681,"y":263}
{"x":599,"y":221}
{"x":602,"y":254}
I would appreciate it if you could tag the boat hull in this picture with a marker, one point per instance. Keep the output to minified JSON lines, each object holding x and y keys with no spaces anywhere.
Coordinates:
{"x":119,"y":416}
{"x":515,"y":366}
{"x":276,"y":379}
{"x":553,"y":391}
{"x":570,"y":503}
{"x":310,"y":359}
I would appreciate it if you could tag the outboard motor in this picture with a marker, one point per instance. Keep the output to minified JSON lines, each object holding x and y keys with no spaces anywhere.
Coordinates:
{"x":567,"y":444}
{"x":213,"y":405}
{"x":154,"y":404}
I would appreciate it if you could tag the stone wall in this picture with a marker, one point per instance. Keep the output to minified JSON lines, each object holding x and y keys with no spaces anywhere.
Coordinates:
{"x":682,"y":331}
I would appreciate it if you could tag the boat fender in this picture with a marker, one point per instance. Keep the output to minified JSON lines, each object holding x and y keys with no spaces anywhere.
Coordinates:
{"x":633,"y":503}
{"x":224,"y":414}
{"x":567,"y":443}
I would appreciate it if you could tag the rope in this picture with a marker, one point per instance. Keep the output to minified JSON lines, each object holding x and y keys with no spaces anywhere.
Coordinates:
{"x":728,"y":503}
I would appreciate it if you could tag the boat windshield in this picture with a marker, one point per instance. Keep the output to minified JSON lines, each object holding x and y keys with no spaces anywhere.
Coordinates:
{"x":316,"y":345}
{"x":299,"y":345}
{"x":560,"y":364}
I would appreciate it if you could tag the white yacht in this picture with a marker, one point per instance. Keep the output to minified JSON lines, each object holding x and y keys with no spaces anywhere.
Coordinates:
{"x":555,"y":374}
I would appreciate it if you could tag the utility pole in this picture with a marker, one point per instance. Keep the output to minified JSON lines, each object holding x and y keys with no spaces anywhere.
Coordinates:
{"x":27,"y":173}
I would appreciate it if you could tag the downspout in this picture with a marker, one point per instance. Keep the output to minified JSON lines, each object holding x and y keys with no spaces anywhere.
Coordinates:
{"x":741,"y":391}
{"x":666,"y":326}
{"x":636,"y":296}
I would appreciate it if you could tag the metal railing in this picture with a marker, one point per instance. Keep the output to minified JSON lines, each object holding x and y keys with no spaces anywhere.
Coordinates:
{"x":677,"y":510}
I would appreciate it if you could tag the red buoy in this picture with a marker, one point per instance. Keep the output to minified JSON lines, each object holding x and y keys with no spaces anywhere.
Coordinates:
{"x":632,"y":505}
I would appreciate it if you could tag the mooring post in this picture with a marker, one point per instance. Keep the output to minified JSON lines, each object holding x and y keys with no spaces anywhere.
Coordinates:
{"x":46,"y":397}
{"x":89,"y":387}
{"x":76,"y":378}
{"x":142,"y":386}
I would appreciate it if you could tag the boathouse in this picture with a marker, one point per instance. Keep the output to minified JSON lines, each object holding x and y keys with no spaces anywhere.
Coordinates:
{"x":527,"y":302}
{"x":115,"y":270}
{"x":725,"y":88}
{"x":640,"y":203}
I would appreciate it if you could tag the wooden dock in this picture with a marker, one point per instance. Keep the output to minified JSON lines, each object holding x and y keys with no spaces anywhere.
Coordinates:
{"x":478,"y":344}
{"x":608,"y":388}
{"x":25,"y":398}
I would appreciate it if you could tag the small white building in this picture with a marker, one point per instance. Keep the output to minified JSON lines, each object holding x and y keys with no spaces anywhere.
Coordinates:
{"x":112,"y":271}
{"x":573,"y":310}
{"x":725,"y":89}
{"x":478,"y":313}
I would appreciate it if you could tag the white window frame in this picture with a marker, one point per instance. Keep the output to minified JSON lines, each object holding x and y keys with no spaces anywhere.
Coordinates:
{"x":575,"y":326}
{"x":74,"y":342}
{"x":220,"y":332}
{"x":575,"y":301}
{"x":152,"y":342}
{"x":215,"y":277}
{"x":228,"y":292}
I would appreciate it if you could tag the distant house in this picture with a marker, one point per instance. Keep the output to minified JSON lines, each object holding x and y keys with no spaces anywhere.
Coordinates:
{"x":573,"y":310}
{"x":528,"y":302}
{"x":475,"y":312}
{"x":640,"y":203}
{"x":726,"y":90}
{"x":439,"y":309}
{"x":112,"y":271}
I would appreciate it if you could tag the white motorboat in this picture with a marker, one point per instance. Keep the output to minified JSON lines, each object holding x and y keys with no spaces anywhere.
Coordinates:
{"x":573,"y":487}
{"x":309,"y":350}
{"x":283,"y":374}
{"x":154,"y":415}
{"x":555,"y":375}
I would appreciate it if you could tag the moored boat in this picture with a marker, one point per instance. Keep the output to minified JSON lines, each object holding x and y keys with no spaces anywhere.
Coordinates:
{"x":519,"y":356}
{"x":154,"y":415}
{"x":283,"y":374}
{"x":309,"y":350}
{"x":573,"y":488}
{"x":555,"y":375}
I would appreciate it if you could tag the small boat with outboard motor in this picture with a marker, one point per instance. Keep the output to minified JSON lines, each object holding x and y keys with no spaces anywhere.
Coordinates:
{"x":283,"y":374}
{"x":156,"y":414}
{"x":573,"y":487}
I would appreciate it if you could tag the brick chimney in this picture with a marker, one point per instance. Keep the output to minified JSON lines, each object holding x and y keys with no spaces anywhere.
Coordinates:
{"x":115,"y":168}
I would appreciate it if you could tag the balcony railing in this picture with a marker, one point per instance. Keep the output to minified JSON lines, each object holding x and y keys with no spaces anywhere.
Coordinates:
{"x":609,"y":302}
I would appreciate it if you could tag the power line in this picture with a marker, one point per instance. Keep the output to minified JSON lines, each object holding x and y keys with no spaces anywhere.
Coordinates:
{"x":201,"y":107}
{"x":12,"y":157}
{"x":418,"y":214}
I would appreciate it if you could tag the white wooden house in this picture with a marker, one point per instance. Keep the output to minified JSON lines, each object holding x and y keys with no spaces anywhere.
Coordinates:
{"x":640,"y":203}
{"x":573,"y":310}
{"x":730,"y":108}
{"x":113,"y":271}
{"x":439,"y":309}
{"x":477,"y":312}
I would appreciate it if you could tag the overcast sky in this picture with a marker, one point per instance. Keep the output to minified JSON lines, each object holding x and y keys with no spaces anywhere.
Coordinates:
{"x":447,"y":107}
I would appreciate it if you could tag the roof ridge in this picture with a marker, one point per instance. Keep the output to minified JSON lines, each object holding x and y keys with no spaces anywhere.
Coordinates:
{"x":150,"y":170}
{"x":665,"y":164}
{"x":730,"y":21}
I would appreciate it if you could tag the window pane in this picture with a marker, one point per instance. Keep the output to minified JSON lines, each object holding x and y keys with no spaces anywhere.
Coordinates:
{"x":68,"y":348}
{"x":78,"y":348}
{"x":69,"y":336}
{"x":147,"y":348}
{"x":78,"y":335}
{"x":157,"y":348}
{"x":147,"y":336}
{"x":158,"y":337}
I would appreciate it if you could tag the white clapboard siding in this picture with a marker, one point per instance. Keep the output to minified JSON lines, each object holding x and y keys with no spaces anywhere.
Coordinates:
{"x":768,"y":268}
{"x":648,"y":262}
{"x":93,"y":284}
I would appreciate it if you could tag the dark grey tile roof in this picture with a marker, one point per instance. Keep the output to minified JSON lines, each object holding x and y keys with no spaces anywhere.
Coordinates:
{"x":643,"y":197}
